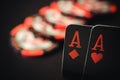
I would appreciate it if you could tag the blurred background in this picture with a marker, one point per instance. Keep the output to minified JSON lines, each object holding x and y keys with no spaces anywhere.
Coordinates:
{"x":13,"y":65}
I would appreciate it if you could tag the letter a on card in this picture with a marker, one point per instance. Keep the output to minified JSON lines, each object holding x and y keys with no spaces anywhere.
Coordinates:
{"x":75,"y":40}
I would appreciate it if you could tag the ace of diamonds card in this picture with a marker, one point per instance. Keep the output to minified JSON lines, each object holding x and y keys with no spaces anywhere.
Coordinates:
{"x":75,"y":49}
{"x":91,"y":52}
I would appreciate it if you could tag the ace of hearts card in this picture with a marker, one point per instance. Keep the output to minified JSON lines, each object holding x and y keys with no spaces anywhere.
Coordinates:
{"x":103,"y":57}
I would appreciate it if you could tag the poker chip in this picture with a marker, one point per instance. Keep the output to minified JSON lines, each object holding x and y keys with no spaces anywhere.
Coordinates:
{"x":29,"y":44}
{"x":103,"y":7}
{"x":98,"y":6}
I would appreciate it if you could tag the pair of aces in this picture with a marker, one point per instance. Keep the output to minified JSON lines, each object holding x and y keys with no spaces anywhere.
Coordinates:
{"x":91,"y":52}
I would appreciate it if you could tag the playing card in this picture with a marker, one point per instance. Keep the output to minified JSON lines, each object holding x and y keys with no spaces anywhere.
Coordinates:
{"x":74,"y":52}
{"x":102,"y":62}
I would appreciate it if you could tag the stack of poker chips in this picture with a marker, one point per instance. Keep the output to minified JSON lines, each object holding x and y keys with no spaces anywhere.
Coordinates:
{"x":41,"y":33}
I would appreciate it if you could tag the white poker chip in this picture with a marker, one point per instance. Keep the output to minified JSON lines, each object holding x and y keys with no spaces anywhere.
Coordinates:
{"x":27,"y":42}
{"x":98,"y":6}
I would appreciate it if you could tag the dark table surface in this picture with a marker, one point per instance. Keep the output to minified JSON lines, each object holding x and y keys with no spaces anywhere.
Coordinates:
{"x":15,"y":67}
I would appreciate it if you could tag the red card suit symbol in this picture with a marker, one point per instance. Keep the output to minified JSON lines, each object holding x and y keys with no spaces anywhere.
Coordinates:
{"x":73,"y":54}
{"x":96,"y":57}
